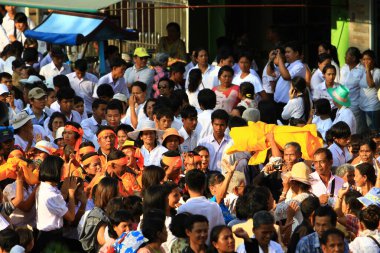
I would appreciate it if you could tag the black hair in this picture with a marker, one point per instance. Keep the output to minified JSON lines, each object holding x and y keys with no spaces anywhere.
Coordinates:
{"x":369,"y":142}
{"x":200,"y":148}
{"x":355,"y":52}
{"x":53,"y":117}
{"x":152,"y":175}
{"x":115,"y":155}
{"x":174,"y":25}
{"x":124,"y":127}
{"x":371,"y":54}
{"x":198,"y":50}
{"x":139,"y":84}
{"x":328,"y":66}
{"x":177,"y":226}
{"x":171,"y":83}
{"x":20,"y":17}
{"x":81,"y":65}
{"x":177,"y":67}
{"x":153,"y":222}
{"x":332,"y":231}
{"x":220,"y":114}
{"x":299,"y":84}
{"x":225,"y":69}
{"x":105,"y":90}
{"x":323,"y":57}
{"x":235,"y":121}
{"x":207,"y":99}
{"x":65,"y":93}
{"x":242,"y":209}
{"x":326,"y":211}
{"x":223,"y":54}
{"x":115,"y":219}
{"x":333,"y":51}
{"x":195,"y":218}
{"x":370,"y":217}
{"x":78,"y":99}
{"x":117,"y":62}
{"x":146,"y":104}
{"x":30,"y":55}
{"x":351,"y":199}
{"x":240,"y":108}
{"x":50,"y":169}
{"x":245,"y":54}
{"x":163,"y":111}
{"x":189,"y":112}
{"x":102,"y":128}
{"x":177,"y":99}
{"x":295,"y":46}
{"x":196,"y":180}
{"x":367,"y":169}
{"x":325,"y":151}
{"x":115,"y":104}
{"x":29,"y":42}
{"x":97,"y":102}
{"x":5,"y":75}
{"x":61,"y":81}
{"x":340,"y":130}
{"x":309,"y":205}
{"x":111,"y":49}
{"x":74,"y":124}
{"x":156,"y":197}
{"x":258,"y":199}
{"x":8,"y":239}
{"x":247,"y":90}
{"x":195,"y":79}
{"x":322,"y":106}
{"x":266,"y":108}
{"x":88,"y":155}
{"x":26,"y":236}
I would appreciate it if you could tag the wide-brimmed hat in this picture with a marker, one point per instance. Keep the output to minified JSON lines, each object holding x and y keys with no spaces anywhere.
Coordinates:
{"x":340,"y":95}
{"x":300,"y":172}
{"x":371,"y":198}
{"x":141,"y":52}
{"x":45,"y":146}
{"x":36,"y":93}
{"x":172,"y":131}
{"x":21,"y":119}
{"x":3,"y":89}
{"x":147,"y":125}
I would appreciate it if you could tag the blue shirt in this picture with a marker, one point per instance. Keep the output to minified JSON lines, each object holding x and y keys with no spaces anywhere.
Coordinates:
{"x":226,"y":213}
{"x":310,"y":244}
{"x":37,"y":121}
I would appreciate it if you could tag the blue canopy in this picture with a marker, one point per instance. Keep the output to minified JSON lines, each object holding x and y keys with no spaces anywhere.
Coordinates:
{"x":67,"y":28}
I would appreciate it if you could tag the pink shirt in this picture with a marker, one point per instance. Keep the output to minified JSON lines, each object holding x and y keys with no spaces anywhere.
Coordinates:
{"x":227,"y":99}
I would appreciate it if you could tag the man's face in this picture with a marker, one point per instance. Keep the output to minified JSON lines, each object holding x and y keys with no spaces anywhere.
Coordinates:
{"x":164,"y":123}
{"x":107,"y":142}
{"x":164,"y":88}
{"x":79,"y":107}
{"x":227,"y":62}
{"x":7,"y":146}
{"x":118,"y":72}
{"x":38,"y":103}
{"x":80,"y":74}
{"x":58,"y":61}
{"x":177,"y":77}
{"x":190,"y":123}
{"x":334,"y":244}
{"x":219,"y":127}
{"x":8,"y":82}
{"x":100,"y":112}
{"x":3,"y":97}
{"x":140,"y":61}
{"x":66,"y":105}
{"x":322,"y":165}
{"x":264,"y":233}
{"x":198,"y":234}
{"x":322,"y":224}
{"x":349,"y":177}
{"x":140,"y":95}
{"x":113,"y":117}
{"x":342,"y":142}
{"x":148,"y":137}
{"x":20,"y":26}
{"x":10,"y":9}
{"x":291,"y":156}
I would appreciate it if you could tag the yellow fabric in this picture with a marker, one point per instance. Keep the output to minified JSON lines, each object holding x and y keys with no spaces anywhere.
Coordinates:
{"x":8,"y":170}
{"x":253,"y":138}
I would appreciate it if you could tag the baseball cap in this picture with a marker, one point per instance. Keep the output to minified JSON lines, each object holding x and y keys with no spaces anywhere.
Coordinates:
{"x":36,"y":93}
{"x":3,"y":89}
{"x":6,"y":133}
{"x":141,"y":52}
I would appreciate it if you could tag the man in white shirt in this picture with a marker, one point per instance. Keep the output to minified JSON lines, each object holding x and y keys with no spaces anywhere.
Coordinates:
{"x":56,"y":67}
{"x":199,"y":204}
{"x":207,"y":102}
{"x":8,"y":21}
{"x":91,"y":125}
{"x":324,"y":184}
{"x":187,"y":131}
{"x":217,"y":141}
{"x":83,"y":83}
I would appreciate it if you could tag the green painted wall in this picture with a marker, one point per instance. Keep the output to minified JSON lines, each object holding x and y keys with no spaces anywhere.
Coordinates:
{"x":216,"y":26}
{"x":340,"y":28}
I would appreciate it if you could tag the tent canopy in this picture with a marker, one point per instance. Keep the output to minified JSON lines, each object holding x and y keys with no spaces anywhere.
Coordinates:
{"x":67,"y":5}
{"x":68,"y":28}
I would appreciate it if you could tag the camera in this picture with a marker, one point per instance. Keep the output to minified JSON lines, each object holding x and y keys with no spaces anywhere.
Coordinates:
{"x":277,"y":166}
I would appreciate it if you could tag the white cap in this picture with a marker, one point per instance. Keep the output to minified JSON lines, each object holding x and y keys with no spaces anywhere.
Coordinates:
{"x":3,"y":89}
{"x":121,"y":97}
{"x":45,"y":146}
{"x":59,"y":134}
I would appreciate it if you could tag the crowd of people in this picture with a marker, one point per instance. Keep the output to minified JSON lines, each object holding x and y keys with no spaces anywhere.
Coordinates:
{"x":159,"y":155}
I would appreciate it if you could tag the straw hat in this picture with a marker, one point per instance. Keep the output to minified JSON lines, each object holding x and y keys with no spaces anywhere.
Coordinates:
{"x":300,"y":172}
{"x":172,"y":131}
{"x":340,"y":95}
{"x":147,"y":125}
{"x":21,"y":119}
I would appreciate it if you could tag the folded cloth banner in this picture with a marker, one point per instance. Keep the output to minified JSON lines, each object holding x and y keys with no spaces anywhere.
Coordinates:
{"x":253,"y":138}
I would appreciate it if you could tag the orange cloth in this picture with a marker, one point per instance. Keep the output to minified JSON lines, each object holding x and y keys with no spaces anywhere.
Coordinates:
{"x":8,"y":170}
{"x":253,"y":138}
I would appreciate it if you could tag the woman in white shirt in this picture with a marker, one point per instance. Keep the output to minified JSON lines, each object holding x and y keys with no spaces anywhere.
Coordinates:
{"x":298,"y":106}
{"x":369,"y":86}
{"x":50,"y":204}
{"x":195,"y":84}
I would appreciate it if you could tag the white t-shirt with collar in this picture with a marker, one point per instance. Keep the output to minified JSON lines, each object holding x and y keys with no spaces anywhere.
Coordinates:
{"x":207,"y":78}
{"x":369,"y":101}
{"x":50,"y":70}
{"x":153,"y":157}
{"x":346,"y":115}
{"x":318,"y":188}
{"x":340,"y":156}
{"x":316,"y":79}
{"x":118,"y":86}
{"x":351,"y":79}
{"x":215,"y":150}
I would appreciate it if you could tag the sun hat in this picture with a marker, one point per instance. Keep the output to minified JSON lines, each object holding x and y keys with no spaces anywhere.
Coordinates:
{"x":3,"y":89}
{"x":172,"y":131}
{"x":21,"y":119}
{"x":31,"y":79}
{"x":340,"y":95}
{"x":251,"y":114}
{"x":121,"y":97}
{"x":59,"y":134}
{"x":141,"y":52}
{"x":371,"y":198}
{"x":45,"y":146}
{"x":6,"y":133}
{"x":300,"y":172}
{"x":147,"y":125}
{"x":36,"y":93}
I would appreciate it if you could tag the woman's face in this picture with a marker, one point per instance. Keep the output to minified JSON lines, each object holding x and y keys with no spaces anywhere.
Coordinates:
{"x":121,"y":137}
{"x":244,"y":64}
{"x":226,"y":241}
{"x":205,"y":158}
{"x":124,"y":226}
{"x":350,"y":59}
{"x":360,"y":180}
{"x":95,"y":166}
{"x":69,"y":138}
{"x":368,"y":61}
{"x":172,"y":142}
{"x":51,"y":98}
{"x":226,"y":79}
{"x":365,"y":154}
{"x":149,"y":109}
{"x":322,"y":50}
{"x":148,"y":137}
{"x":291,"y":55}
{"x":174,"y":197}
{"x":57,"y":123}
{"x":202,"y":58}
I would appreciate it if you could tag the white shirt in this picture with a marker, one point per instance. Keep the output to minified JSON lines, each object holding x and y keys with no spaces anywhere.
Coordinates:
{"x":190,"y":141}
{"x":321,"y":92}
{"x":273,"y":247}
{"x":203,"y":206}
{"x":215,"y":150}
{"x":49,"y":71}
{"x":339,"y":156}
{"x":118,"y":86}
{"x":4,"y":40}
{"x":294,"y":109}
{"x":363,"y":243}
{"x":281,"y":93}
{"x":193,"y":97}
{"x":9,"y":24}
{"x":337,"y":68}
{"x":21,"y":142}
{"x":351,"y":79}
{"x":267,"y":79}
{"x":51,"y":207}
{"x":84,"y":88}
{"x":74,"y":117}
{"x":369,"y":101}
{"x":322,"y":125}
{"x":207,"y":78}
{"x":318,"y":187}
{"x":90,"y":126}
{"x":346,"y":115}
{"x":153,"y":157}
{"x":139,"y":109}
{"x":204,"y":127}
{"x":316,"y":79}
{"x":254,"y":80}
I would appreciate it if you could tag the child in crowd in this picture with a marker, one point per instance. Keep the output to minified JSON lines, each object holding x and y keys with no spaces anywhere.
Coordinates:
{"x":247,"y":95}
{"x":322,"y":116}
{"x":340,"y":133}
{"x":79,"y":107}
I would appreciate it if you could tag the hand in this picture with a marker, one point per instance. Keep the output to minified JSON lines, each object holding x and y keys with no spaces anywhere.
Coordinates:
{"x":38,"y":137}
{"x":12,"y":38}
{"x":342,"y":192}
{"x":292,"y":210}
{"x":269,"y":168}
{"x":230,"y":168}
{"x":323,"y":199}
{"x":272,"y":55}
{"x":72,"y":186}
{"x":270,"y":136}
{"x":132,"y":101}
{"x":19,"y":173}
{"x":241,"y":233}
